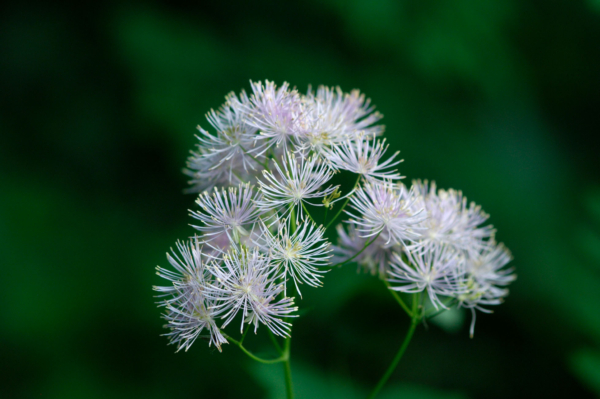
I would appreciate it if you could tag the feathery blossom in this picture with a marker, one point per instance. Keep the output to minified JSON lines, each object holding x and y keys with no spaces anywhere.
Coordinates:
{"x":231,"y":153}
{"x":188,"y":310}
{"x":247,"y":282}
{"x":331,"y":117}
{"x":299,"y":180}
{"x":418,"y":240}
{"x":274,"y":112}
{"x":487,"y":278}
{"x":231,"y":211}
{"x":299,"y":254}
{"x":450,"y":221}
{"x":362,"y":156}
{"x":374,"y":259}
{"x":389,"y":209}
{"x":204,"y":175}
{"x":440,"y":271}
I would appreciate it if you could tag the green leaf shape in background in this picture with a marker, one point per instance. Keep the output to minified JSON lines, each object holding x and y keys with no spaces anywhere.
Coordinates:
{"x":312,"y":383}
{"x":585,"y":363}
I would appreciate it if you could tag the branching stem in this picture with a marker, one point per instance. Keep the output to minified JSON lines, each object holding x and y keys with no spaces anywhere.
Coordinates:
{"x":282,"y":358}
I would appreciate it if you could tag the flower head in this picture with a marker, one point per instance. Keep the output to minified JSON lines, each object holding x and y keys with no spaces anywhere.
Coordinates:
{"x":247,"y":282}
{"x":486,"y":278}
{"x":331,"y":117}
{"x":231,"y":154}
{"x":389,"y":209}
{"x":188,"y":310}
{"x":299,"y":180}
{"x":229,"y":211}
{"x":362,"y":156}
{"x":274,"y":112}
{"x":298,"y":254}
{"x":440,"y":271}
{"x":450,"y":221}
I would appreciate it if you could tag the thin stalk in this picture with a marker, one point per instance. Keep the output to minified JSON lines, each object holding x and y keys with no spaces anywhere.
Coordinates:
{"x":286,"y":346}
{"x":275,"y":343}
{"x":244,"y":334}
{"x":280,"y":359}
{"x":293,"y":218}
{"x":413,"y":325}
{"x":287,"y":369}
{"x":344,"y":204}
{"x":308,"y":213}
{"x":398,"y":299}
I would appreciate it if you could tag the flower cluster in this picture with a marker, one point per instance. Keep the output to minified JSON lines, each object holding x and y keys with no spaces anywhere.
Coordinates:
{"x":428,"y":240}
{"x":268,"y":162}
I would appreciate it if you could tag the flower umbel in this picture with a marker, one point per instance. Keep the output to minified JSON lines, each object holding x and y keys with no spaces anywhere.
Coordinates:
{"x":268,"y":162}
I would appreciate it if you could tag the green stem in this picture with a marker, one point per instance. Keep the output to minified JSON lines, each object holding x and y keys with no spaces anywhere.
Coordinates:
{"x":293,"y":218}
{"x":413,"y":325}
{"x":356,"y":254}
{"x":344,"y":204}
{"x":308,"y":213}
{"x":244,"y":335}
{"x":282,"y":358}
{"x":286,"y":346}
{"x":288,"y":370}
{"x":398,"y":299}
{"x":275,"y":343}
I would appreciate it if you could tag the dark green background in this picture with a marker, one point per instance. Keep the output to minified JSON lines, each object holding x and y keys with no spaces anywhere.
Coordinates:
{"x":98,"y":108}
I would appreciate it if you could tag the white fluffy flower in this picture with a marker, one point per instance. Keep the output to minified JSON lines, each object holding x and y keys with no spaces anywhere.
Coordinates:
{"x":230,"y":156}
{"x":362,"y":156}
{"x":247,"y":282}
{"x":487,"y":278}
{"x":299,"y":180}
{"x":389,"y":209}
{"x":229,"y":211}
{"x":331,"y":117}
{"x":440,"y":271}
{"x":419,"y":240}
{"x":203,"y":174}
{"x":298,"y":254}
{"x":486,"y":267}
{"x":275,"y":112}
{"x":450,"y":221}
{"x":188,"y":310}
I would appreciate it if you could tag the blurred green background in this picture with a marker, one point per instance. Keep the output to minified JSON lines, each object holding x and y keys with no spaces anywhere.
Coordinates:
{"x":99,"y":104}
